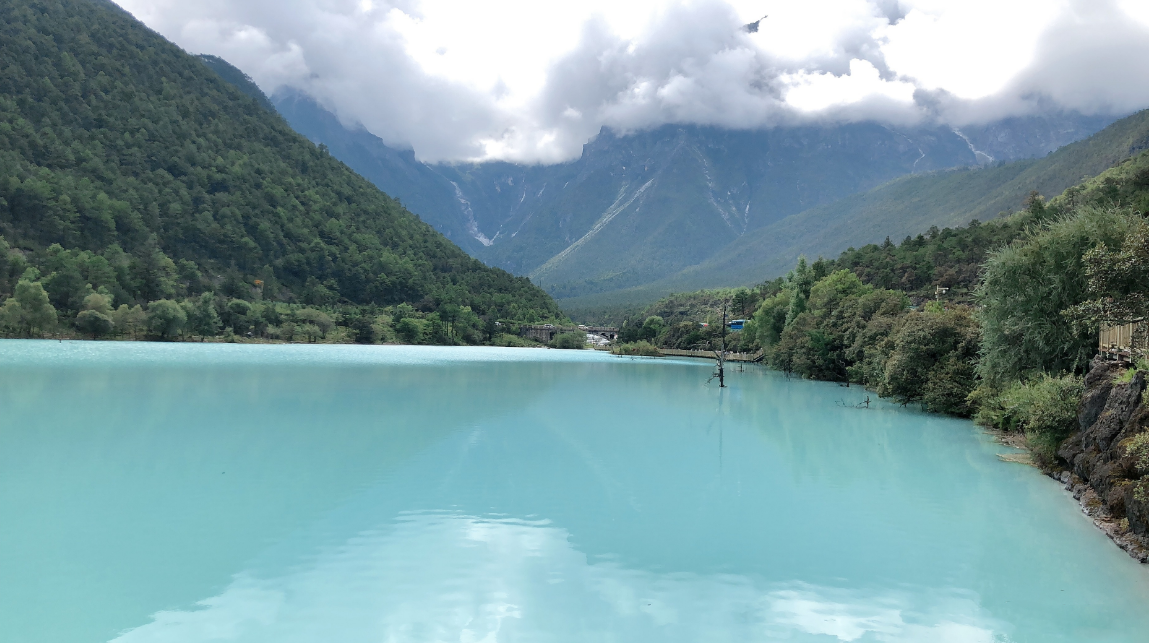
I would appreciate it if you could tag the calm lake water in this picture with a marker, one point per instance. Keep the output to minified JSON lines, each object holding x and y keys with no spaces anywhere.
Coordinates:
{"x":183,"y":493}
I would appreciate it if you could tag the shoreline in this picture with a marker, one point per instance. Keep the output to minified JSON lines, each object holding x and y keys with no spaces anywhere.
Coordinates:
{"x":1080,"y":492}
{"x":1093,"y":507}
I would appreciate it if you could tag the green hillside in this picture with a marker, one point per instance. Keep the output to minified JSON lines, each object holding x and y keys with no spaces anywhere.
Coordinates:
{"x":237,"y":78}
{"x":906,"y":206}
{"x":129,"y":166}
{"x":953,"y":257}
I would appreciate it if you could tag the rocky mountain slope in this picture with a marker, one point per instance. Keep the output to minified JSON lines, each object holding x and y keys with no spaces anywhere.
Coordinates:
{"x":636,"y":208}
{"x":903,"y":207}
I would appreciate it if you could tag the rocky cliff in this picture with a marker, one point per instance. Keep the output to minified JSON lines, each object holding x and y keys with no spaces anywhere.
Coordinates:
{"x":1098,"y":468}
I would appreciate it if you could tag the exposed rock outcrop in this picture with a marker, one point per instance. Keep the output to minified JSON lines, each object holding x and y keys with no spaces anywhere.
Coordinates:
{"x":1099,"y":471}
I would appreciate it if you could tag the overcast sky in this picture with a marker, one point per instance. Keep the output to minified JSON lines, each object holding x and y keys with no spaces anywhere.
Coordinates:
{"x":532,"y":80}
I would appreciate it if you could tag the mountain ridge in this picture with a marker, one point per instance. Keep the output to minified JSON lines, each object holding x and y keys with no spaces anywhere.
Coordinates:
{"x":710,"y":187}
{"x":905,"y":206}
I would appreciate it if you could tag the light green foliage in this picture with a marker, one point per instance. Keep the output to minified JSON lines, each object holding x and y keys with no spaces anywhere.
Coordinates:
{"x":507,"y":339}
{"x":131,"y":321}
{"x":203,"y":320}
{"x":689,"y":335}
{"x":770,"y":318}
{"x":28,"y":313}
{"x":1118,"y":286}
{"x":435,"y":330}
{"x":310,"y":331}
{"x":840,"y":334}
{"x":384,"y":330}
{"x":931,"y":355}
{"x":1138,"y":448}
{"x":801,"y":280}
{"x":742,"y":303}
{"x":240,"y":316}
{"x":410,"y":330}
{"x":572,"y":340}
{"x":317,"y":318}
{"x":166,"y":319}
{"x":1028,"y":284}
{"x":827,"y":294}
{"x":637,"y":349}
{"x":287,"y":331}
{"x":364,"y":329}
{"x":1127,"y":375}
{"x":951,"y":381}
{"x":654,"y":325}
{"x":95,"y":318}
{"x":652,"y":330}
{"x":12,"y":265}
{"x":1044,"y":408}
{"x":99,"y":303}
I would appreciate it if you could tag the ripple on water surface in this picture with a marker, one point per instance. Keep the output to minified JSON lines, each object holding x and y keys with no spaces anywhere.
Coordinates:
{"x":306,"y":493}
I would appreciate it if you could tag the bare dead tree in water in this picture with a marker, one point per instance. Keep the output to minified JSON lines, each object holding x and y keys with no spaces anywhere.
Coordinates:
{"x":720,"y":354}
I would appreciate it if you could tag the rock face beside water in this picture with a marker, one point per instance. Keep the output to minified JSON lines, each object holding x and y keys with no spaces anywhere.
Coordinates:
{"x":1099,"y":472}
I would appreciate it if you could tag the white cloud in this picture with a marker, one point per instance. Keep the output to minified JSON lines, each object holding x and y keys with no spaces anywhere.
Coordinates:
{"x":814,"y":92}
{"x":532,"y":81}
{"x":971,"y":49}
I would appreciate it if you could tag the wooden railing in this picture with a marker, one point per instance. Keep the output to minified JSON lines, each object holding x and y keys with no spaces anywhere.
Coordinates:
{"x":730,"y":357}
{"x":1123,"y":343}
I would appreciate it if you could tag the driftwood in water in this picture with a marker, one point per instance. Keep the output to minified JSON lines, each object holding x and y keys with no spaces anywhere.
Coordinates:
{"x":860,"y":405}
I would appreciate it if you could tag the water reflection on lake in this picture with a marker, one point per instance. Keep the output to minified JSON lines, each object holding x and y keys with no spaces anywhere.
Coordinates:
{"x":184,"y":493}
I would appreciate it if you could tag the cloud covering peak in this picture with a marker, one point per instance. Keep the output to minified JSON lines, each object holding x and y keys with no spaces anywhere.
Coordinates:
{"x":526,"y":81}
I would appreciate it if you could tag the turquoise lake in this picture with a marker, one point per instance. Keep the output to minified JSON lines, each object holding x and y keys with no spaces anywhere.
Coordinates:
{"x":181,"y":493}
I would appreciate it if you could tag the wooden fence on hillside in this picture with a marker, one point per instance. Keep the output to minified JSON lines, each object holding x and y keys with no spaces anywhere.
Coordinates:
{"x":1123,"y":343}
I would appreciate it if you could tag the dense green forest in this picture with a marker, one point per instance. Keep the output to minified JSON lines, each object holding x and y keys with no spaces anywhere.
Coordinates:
{"x":1007,"y":341}
{"x":131,"y":174}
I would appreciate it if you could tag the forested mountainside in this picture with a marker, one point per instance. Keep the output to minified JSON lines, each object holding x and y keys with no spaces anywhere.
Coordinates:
{"x":636,"y":208}
{"x":908,"y":205}
{"x":128,"y":167}
{"x":240,"y":80}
